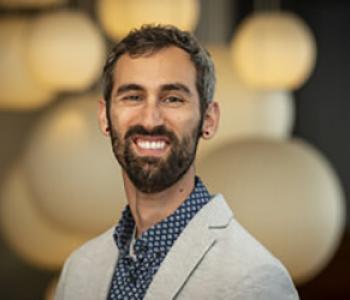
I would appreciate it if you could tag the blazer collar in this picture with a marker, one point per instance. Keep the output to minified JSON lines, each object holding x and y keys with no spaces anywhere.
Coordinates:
{"x":185,"y":255}
{"x":187,"y":252}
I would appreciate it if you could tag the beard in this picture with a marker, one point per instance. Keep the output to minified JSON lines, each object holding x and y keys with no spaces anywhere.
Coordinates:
{"x":154,"y":174}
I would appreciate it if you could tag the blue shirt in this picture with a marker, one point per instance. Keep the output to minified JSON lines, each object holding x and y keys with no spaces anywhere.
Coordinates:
{"x":134,"y":273}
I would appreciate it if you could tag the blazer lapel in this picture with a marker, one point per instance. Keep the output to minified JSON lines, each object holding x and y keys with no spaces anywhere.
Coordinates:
{"x":190,"y":248}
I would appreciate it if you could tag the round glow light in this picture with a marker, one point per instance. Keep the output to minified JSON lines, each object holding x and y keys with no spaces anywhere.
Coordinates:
{"x":72,"y":170}
{"x":28,"y":232}
{"x":118,"y":17}
{"x":286,"y":194}
{"x":30,"y":3}
{"x":246,"y":112}
{"x":274,"y":50}
{"x":19,"y":90}
{"x":65,"y":50}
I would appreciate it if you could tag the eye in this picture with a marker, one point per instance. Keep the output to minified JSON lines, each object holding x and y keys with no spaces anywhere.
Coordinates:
{"x":173,"y":100}
{"x":132,"y":98}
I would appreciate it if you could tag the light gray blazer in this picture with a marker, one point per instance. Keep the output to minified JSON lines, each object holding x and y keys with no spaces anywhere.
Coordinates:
{"x":213,"y":258}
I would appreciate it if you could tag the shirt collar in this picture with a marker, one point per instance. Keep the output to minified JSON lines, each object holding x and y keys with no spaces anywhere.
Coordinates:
{"x":161,"y":236}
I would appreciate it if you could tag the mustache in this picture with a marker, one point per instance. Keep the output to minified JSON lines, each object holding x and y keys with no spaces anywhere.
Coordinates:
{"x":156,"y":131}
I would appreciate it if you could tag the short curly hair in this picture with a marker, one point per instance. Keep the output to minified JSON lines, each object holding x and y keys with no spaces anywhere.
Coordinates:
{"x":152,"y":38}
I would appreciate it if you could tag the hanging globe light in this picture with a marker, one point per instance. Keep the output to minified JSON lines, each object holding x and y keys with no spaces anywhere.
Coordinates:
{"x":20,"y":90}
{"x":118,"y":17}
{"x":30,"y":233}
{"x":245,"y":112}
{"x":71,"y":168}
{"x":273,"y":51}
{"x":65,"y":50}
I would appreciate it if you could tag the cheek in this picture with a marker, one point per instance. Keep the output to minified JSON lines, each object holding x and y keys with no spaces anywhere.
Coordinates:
{"x":119,"y":120}
{"x":126,"y":116}
{"x":185,"y":126}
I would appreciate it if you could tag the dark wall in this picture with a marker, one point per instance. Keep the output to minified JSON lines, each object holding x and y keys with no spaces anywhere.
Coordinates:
{"x":323,"y":118}
{"x":323,"y":103}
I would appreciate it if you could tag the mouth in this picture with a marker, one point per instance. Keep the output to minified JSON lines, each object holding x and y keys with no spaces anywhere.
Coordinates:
{"x":151,"y":145}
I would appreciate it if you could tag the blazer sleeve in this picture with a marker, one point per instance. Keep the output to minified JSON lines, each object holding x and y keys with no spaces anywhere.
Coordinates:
{"x":266,"y":282}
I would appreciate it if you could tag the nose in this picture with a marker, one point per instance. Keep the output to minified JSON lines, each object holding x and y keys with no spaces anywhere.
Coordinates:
{"x":151,"y":115}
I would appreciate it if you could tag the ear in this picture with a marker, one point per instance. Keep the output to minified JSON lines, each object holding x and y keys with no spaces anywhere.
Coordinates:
{"x":102,"y":117}
{"x":211,"y":120}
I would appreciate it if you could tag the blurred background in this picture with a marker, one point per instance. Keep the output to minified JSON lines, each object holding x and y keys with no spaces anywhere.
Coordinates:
{"x":281,"y":157}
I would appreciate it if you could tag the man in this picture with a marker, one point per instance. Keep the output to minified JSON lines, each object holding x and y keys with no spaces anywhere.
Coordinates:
{"x":174,"y":240}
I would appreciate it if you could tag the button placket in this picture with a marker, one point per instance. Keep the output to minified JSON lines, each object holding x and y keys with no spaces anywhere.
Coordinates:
{"x":135,"y":273}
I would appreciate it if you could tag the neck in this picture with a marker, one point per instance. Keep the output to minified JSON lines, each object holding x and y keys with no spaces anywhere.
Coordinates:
{"x":149,"y":209}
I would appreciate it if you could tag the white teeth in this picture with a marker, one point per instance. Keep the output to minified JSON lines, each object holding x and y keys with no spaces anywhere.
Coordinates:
{"x":151,"y":145}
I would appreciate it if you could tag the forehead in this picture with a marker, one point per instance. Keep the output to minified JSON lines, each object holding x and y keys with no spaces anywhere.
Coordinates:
{"x":164,"y":66}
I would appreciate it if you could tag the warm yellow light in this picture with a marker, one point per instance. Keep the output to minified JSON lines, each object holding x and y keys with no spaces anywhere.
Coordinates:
{"x":118,"y":17}
{"x":65,"y":50}
{"x":72,"y":169}
{"x":274,"y":50}
{"x":19,"y":89}
{"x":29,"y":232}
{"x":286,"y":194}
{"x":246,"y":113}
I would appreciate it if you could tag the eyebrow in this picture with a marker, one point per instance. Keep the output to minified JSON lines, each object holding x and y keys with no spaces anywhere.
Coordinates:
{"x":164,"y":88}
{"x":128,"y":87}
{"x":176,"y":87}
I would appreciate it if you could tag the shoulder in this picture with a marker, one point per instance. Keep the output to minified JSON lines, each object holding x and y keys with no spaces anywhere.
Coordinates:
{"x":87,"y":271}
{"x":95,"y":246}
{"x":247,"y":257}
{"x":245,"y":267}
{"x":234,"y":242}
{"x":237,"y":251}
{"x":94,"y":254}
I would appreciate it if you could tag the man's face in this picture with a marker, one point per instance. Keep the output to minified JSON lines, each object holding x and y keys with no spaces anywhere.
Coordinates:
{"x":155,"y":117}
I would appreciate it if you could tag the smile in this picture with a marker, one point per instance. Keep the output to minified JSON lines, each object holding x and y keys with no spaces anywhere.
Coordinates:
{"x":154,"y":144}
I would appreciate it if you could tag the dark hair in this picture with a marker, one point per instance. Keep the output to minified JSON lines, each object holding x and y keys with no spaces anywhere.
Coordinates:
{"x":151,"y":38}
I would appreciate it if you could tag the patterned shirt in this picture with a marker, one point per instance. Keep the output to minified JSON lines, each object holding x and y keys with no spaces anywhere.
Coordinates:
{"x":135,"y":269}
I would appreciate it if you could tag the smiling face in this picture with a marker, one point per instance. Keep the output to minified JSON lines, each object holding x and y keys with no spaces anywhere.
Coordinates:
{"x":155,"y":117}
